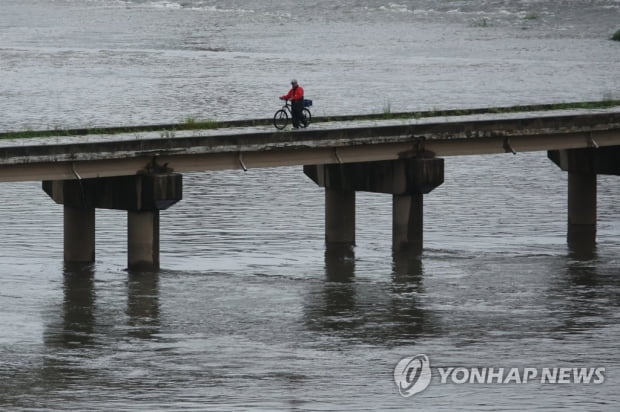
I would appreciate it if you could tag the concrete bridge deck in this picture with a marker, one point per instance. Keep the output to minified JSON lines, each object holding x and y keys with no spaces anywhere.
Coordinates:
{"x":93,"y":156}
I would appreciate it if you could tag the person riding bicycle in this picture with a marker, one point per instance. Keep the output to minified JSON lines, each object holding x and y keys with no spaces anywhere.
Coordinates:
{"x":296,"y":96}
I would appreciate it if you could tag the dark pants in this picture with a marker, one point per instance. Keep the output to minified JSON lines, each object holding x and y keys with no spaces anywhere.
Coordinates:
{"x":297,"y":107}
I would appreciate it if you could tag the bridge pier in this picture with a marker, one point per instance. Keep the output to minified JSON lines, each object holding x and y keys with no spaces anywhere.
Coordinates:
{"x":79,"y":234}
{"x":142,"y":196}
{"x":339,"y":218}
{"x":407,"y":180}
{"x":583,"y":166}
{"x":407,"y":222}
{"x":581,"y":225}
{"x":143,"y":240}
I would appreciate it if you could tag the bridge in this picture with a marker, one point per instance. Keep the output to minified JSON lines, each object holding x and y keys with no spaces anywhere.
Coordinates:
{"x":140,"y":171}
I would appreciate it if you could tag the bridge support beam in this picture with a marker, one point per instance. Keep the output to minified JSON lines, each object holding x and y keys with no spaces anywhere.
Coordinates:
{"x":407,"y":180}
{"x":583,"y":165}
{"x":142,"y":196}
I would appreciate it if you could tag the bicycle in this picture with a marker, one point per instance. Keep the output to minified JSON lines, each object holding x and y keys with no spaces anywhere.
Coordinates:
{"x":281,"y":117}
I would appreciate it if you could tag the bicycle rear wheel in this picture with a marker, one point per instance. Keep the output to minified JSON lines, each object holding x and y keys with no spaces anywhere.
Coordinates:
{"x":307,"y":117}
{"x":280,"y":119}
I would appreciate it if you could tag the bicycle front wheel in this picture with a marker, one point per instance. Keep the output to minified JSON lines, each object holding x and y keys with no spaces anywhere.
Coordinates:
{"x":280,"y":119}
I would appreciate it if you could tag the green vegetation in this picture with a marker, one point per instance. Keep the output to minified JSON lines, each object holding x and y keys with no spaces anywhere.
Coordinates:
{"x":616,"y":36}
{"x":193,"y":124}
{"x":172,"y":130}
{"x":387,"y":109}
{"x":206,"y":124}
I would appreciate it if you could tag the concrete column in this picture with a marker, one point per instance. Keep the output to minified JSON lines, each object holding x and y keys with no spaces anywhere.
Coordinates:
{"x":339,"y":218}
{"x":79,"y":234}
{"x":143,"y":240}
{"x":407,"y":223}
{"x":581,"y":208}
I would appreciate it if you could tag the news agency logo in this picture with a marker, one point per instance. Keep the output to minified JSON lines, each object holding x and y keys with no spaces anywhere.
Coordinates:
{"x":413,"y":375}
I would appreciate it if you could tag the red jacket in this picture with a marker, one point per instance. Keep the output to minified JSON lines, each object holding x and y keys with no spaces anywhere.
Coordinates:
{"x":296,"y":93}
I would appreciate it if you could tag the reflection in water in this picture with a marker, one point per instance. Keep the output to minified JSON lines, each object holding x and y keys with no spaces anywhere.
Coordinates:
{"x":338,"y":308}
{"x":409,"y":317}
{"x":78,"y":307}
{"x":581,"y":291}
{"x":79,"y":325}
{"x":86,"y":330}
{"x":585,"y":295}
{"x":68,"y":339}
{"x":374,"y":310}
{"x":143,"y":304}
